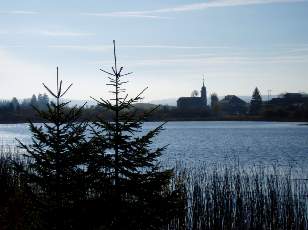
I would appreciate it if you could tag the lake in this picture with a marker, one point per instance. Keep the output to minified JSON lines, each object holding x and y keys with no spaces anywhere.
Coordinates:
{"x":249,"y":143}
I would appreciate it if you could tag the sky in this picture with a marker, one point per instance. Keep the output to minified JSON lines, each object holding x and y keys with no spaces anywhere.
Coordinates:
{"x":169,"y":45}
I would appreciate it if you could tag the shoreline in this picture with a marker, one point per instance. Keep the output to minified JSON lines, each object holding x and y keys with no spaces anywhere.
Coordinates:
{"x":303,"y":123}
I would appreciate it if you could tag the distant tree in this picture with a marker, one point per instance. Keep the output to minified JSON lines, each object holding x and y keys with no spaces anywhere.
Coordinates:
{"x":33,"y":100}
{"x":136,"y":194}
{"x":214,"y":103}
{"x":39,"y":97}
{"x":45,"y":99}
{"x":256,"y":102}
{"x":194,"y":93}
{"x":5,"y":106}
{"x":25,"y":103}
{"x":15,"y":104}
{"x":42,"y":101}
{"x":56,"y":170}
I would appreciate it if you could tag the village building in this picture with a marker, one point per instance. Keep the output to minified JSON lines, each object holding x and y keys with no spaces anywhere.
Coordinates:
{"x":191,"y":103}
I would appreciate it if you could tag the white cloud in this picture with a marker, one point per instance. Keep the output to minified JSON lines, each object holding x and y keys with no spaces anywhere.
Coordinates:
{"x":23,"y":12}
{"x":211,"y":55}
{"x":190,"y":7}
{"x":293,"y":48}
{"x":81,"y":48}
{"x":220,"y":3}
{"x":172,"y":47}
{"x":50,"y":33}
{"x":19,"y":12}
{"x":98,"y":48}
{"x":65,"y":33}
{"x":125,"y":15}
{"x":221,"y":60}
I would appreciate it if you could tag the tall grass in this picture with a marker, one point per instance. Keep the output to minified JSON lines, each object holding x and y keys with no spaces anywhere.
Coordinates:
{"x":234,"y":198}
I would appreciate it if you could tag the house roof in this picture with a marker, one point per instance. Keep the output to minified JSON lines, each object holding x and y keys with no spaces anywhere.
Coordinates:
{"x":232,"y":99}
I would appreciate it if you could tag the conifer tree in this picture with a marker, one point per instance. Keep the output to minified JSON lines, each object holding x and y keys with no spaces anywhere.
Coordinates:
{"x":56,"y":169}
{"x":256,"y":102}
{"x":33,"y":100}
{"x":15,"y":104}
{"x":137,"y":193}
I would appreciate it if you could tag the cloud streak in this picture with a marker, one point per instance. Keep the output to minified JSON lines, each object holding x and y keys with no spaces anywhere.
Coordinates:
{"x":221,"y":3}
{"x":127,"y":14}
{"x":219,"y":60}
{"x":189,"y":7}
{"x":81,"y":48}
{"x":19,"y":12}
{"x":98,"y":48}
{"x":64,"y":33}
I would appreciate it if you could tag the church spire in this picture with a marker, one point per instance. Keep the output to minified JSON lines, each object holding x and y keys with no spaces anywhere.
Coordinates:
{"x":203,"y":80}
{"x":203,"y":93}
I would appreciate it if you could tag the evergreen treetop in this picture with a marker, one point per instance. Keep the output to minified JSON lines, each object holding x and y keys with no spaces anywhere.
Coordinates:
{"x":139,"y":192}
{"x":256,"y":96}
{"x":256,"y":102}
{"x":56,"y":168}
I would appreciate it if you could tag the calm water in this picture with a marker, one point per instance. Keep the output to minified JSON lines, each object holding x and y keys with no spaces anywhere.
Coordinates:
{"x":194,"y":142}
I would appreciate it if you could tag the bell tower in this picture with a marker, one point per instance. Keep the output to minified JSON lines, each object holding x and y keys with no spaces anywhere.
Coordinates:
{"x":203,"y":94}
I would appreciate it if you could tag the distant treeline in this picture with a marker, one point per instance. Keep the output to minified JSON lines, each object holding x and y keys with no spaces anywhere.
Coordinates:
{"x":15,"y":112}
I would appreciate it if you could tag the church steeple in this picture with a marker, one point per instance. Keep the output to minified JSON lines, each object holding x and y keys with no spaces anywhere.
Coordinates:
{"x":203,"y":93}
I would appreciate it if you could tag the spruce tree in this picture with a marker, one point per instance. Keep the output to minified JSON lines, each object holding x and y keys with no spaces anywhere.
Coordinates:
{"x":33,"y":100}
{"x":56,"y":168}
{"x":136,"y":188}
{"x":256,"y":102}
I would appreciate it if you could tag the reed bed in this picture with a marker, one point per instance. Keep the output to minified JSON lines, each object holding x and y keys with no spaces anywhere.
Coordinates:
{"x":230,"y":197}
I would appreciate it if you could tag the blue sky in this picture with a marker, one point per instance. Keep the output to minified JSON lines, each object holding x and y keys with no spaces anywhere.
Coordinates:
{"x":169,"y":45}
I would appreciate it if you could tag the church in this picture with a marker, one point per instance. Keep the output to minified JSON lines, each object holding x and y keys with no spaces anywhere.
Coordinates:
{"x":189,"y":103}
